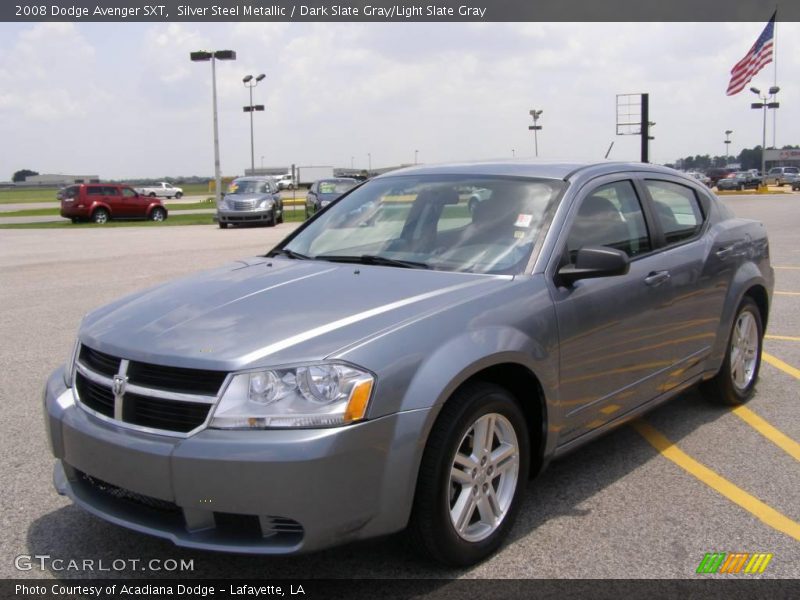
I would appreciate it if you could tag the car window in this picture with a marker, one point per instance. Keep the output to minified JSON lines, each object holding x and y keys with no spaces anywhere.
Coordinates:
{"x":111,"y":190}
{"x":128,"y":193}
{"x":71,"y":192}
{"x":94,"y":190}
{"x":677,"y":209}
{"x":610,"y":215}
{"x":793,"y":170}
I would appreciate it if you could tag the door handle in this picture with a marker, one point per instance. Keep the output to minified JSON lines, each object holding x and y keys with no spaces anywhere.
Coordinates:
{"x":656,"y":278}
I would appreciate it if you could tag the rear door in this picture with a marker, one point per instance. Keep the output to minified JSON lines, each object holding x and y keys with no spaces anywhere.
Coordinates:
{"x":611,"y":329}
{"x":698,"y":279}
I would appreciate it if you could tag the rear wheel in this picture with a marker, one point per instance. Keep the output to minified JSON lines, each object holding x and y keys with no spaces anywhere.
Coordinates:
{"x":158,"y":214}
{"x":100,"y":216}
{"x":736,"y":380}
{"x":472,"y":476}
{"x":152,"y":194}
{"x":179,"y":195}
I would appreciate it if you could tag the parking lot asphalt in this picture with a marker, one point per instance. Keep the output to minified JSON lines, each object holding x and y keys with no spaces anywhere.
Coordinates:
{"x":624,"y":506}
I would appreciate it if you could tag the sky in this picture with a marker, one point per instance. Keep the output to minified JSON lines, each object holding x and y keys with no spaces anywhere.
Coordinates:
{"x":123,"y":100}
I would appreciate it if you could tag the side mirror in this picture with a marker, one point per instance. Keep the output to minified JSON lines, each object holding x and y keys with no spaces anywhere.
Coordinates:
{"x":595,"y":261}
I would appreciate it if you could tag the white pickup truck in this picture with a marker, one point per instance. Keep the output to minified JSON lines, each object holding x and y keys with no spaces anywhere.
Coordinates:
{"x":161,"y":190}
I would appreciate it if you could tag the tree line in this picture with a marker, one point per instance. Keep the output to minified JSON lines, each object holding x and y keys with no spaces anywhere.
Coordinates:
{"x":748,"y":158}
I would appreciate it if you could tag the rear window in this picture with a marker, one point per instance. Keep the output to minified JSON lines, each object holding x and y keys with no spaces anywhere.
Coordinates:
{"x":677,"y":209}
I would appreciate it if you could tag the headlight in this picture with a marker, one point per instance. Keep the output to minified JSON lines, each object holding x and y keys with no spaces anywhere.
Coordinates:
{"x":314,"y":395}
{"x":324,"y":203}
{"x":266,"y":203}
{"x":70,"y":366}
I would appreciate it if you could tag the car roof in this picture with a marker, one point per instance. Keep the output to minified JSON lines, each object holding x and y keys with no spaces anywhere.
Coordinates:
{"x":345,"y":179}
{"x":254,"y":178}
{"x":528,"y":168}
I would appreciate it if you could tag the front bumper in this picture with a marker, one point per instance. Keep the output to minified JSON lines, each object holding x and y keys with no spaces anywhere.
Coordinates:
{"x":260,"y":492}
{"x":267,"y":215}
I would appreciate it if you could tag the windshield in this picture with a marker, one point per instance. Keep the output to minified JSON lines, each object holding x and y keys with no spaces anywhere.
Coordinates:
{"x":248,"y":187}
{"x":335,"y":187}
{"x":449,"y":223}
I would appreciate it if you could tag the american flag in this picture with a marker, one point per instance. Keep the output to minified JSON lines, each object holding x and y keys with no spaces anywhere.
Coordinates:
{"x":758,"y":56}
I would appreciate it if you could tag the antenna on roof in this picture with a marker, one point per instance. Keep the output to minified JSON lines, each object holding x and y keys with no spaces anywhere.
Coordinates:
{"x":610,"y":146}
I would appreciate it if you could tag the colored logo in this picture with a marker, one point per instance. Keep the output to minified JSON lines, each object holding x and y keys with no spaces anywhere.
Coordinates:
{"x":734,"y":562}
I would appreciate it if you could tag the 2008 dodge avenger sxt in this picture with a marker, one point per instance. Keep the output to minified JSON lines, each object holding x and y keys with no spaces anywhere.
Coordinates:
{"x":404,"y":360}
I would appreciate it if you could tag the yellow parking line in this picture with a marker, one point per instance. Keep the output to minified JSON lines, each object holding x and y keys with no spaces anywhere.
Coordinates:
{"x":776,"y":436}
{"x":765,"y":513}
{"x":785,"y":338}
{"x":787,"y":293}
{"x":779,"y":364}
{"x":787,"y":267}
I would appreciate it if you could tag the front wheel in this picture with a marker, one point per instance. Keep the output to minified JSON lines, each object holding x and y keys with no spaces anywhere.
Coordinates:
{"x":178,"y":195}
{"x":158,"y":214}
{"x":736,"y":380}
{"x":472,"y":476}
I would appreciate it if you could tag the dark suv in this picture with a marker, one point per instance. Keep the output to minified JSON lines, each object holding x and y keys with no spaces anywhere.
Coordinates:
{"x":100,"y":202}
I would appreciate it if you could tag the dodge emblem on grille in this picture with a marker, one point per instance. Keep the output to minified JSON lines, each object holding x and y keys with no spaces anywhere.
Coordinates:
{"x":119,"y":385}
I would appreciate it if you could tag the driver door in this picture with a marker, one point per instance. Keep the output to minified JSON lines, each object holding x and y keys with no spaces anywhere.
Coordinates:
{"x":610,"y":327}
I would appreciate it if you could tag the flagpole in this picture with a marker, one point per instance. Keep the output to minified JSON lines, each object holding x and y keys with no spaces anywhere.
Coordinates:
{"x":775,"y":72}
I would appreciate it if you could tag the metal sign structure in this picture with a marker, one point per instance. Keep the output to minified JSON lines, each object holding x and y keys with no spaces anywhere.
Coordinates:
{"x":633,"y":118}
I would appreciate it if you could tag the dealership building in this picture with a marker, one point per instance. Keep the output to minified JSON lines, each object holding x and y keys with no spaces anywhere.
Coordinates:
{"x":59,"y":180}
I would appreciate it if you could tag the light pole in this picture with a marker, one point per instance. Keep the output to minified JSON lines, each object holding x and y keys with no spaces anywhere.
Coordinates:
{"x":262,"y":162}
{"x":214,"y":56}
{"x":513,"y":153}
{"x":764,"y":105}
{"x":369,"y":157}
{"x":352,"y":162}
{"x":535,"y":128}
{"x":416,"y":153}
{"x":250,"y":82}
{"x":728,"y":133}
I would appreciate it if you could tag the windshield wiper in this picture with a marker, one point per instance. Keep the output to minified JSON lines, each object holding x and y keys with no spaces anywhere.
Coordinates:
{"x":374,"y":259}
{"x":288,"y":253}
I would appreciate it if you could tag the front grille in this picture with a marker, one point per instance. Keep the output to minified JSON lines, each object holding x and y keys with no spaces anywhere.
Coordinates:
{"x":158,"y":413}
{"x":244,"y":204}
{"x":109,"y":489}
{"x":97,"y":397}
{"x":175,"y":379}
{"x":99,"y":361}
{"x":152,"y":406}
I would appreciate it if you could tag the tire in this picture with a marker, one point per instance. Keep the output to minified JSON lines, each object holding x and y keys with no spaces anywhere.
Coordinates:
{"x":272,"y":220}
{"x":741,"y":187}
{"x":223,"y":225}
{"x":178,"y":196}
{"x":280,"y":218}
{"x":152,"y":194}
{"x":100,"y":216}
{"x":459,"y":527}
{"x":472,"y":204}
{"x":75,"y":220}
{"x":736,"y":380}
{"x":158,"y":214}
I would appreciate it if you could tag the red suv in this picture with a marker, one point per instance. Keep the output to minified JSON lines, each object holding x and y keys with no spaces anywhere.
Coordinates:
{"x":100,"y":202}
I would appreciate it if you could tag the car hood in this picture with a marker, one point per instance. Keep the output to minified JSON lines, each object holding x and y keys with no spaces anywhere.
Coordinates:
{"x":245,"y":197}
{"x":272,"y":311}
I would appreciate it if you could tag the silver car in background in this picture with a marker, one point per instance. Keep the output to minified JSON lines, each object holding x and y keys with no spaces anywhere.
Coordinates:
{"x":401,"y":362}
{"x":250,"y":201}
